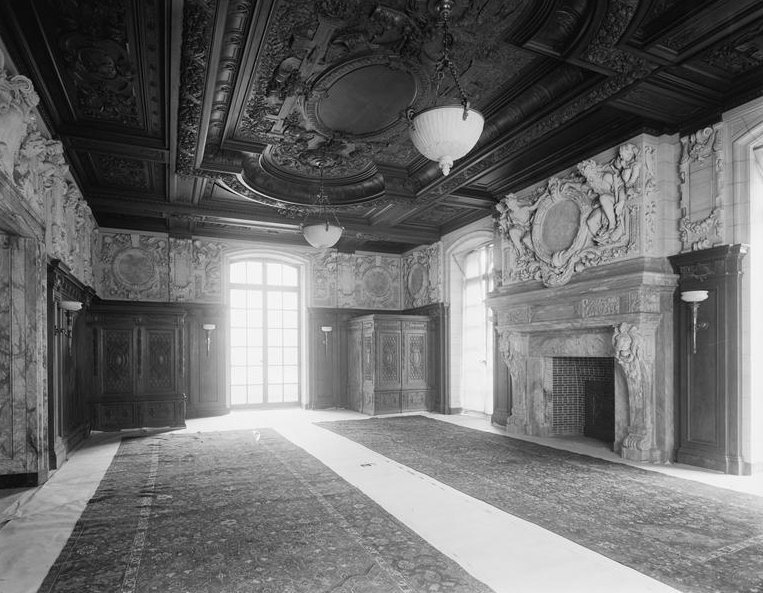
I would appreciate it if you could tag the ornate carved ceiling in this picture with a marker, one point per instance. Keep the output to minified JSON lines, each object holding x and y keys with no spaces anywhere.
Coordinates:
{"x":210,"y":117}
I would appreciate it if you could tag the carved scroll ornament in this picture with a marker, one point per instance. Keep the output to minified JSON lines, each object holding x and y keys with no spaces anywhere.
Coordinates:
{"x":574,"y":222}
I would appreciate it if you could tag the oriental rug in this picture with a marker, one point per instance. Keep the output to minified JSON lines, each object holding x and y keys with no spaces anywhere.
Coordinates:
{"x":691,"y":536}
{"x":241,"y":511}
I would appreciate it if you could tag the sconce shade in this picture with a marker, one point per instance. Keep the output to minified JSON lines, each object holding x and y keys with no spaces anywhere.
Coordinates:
{"x":70,"y":305}
{"x":693,"y":296}
{"x":322,"y":235}
{"x":442,"y":134}
{"x":208,"y":327}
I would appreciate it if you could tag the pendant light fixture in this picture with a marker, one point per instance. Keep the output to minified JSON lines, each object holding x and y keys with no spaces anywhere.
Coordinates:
{"x":446,"y":133}
{"x":319,"y":230}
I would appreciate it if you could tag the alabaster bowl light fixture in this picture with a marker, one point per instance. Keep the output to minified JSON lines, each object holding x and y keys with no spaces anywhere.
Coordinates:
{"x":69,"y":308}
{"x":208,"y":328}
{"x":694,"y":298}
{"x":447,"y":132}
{"x":318,"y":228}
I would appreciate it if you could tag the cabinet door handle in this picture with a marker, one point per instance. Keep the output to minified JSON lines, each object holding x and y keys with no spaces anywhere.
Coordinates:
{"x":95,"y":352}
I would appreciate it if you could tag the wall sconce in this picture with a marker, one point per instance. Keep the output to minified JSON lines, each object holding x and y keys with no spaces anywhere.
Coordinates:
{"x":694,"y":298}
{"x":209,"y":328}
{"x":326,"y":329}
{"x":69,"y":308}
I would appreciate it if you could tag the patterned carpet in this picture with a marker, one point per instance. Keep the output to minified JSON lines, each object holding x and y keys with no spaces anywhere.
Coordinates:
{"x":241,"y":511}
{"x":693,"y":537}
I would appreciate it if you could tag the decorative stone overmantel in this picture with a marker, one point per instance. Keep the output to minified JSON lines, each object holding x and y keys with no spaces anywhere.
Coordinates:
{"x":621,"y":310}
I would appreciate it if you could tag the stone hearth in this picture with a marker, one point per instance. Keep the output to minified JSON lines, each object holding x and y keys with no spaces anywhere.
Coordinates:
{"x":621,"y":310}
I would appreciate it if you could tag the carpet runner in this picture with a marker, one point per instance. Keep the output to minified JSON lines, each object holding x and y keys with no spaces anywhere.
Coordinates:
{"x":241,"y":511}
{"x":691,"y":536}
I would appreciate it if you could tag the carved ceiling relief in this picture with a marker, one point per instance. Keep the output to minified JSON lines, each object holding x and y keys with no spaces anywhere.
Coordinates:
{"x":133,"y":266}
{"x":701,"y":173}
{"x":327,"y":60}
{"x":587,"y":218}
{"x":95,"y":49}
{"x":422,"y":277}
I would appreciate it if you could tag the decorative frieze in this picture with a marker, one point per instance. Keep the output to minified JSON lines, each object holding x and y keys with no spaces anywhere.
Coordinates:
{"x":586,"y":218}
{"x":597,"y":307}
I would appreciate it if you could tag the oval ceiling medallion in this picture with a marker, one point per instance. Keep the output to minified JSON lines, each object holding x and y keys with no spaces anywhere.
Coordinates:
{"x":366,"y":97}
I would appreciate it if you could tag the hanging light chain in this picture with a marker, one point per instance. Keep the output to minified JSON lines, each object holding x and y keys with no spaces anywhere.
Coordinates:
{"x":446,"y":62}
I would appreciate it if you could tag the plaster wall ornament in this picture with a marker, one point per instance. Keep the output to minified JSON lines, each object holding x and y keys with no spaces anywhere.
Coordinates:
{"x":634,"y":352}
{"x":207,"y":258}
{"x":422,"y":277}
{"x":369,"y":282}
{"x":134,"y":266}
{"x":587,"y":218}
{"x":324,"y":279}
{"x":702,"y":177}
{"x":17,"y":99}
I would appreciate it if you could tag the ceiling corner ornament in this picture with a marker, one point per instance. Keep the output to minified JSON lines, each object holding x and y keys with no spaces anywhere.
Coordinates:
{"x":447,"y":132}
{"x":581,"y":220}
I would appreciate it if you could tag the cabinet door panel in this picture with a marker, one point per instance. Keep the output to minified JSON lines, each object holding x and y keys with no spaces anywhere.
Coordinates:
{"x":117,"y":370}
{"x":157,"y":368}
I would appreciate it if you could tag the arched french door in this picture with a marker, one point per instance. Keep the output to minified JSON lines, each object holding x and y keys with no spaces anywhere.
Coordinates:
{"x":265,"y":318}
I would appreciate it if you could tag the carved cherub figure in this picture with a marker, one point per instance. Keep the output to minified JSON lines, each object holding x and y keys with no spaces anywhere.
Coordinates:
{"x":515,"y":219}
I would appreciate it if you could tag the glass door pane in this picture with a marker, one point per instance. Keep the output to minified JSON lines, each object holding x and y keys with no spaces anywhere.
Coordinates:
{"x":265,"y":324}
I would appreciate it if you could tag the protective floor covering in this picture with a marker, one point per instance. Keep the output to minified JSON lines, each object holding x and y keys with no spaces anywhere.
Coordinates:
{"x":691,"y":536}
{"x":241,"y":511}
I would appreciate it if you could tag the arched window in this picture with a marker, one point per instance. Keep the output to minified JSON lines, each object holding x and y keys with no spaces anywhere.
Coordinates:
{"x":265,"y":315}
{"x":477,"y":338}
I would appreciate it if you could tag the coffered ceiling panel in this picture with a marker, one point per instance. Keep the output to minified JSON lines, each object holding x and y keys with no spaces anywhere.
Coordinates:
{"x":218,"y":118}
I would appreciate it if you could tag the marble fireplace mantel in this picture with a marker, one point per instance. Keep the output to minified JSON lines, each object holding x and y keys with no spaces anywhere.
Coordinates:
{"x":621,"y":310}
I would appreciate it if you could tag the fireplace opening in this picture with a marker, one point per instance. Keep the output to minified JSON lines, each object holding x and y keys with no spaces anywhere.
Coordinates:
{"x":583,"y":398}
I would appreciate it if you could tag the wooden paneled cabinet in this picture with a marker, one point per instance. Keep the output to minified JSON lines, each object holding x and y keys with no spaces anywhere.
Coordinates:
{"x":138,"y":366}
{"x":389,"y":364}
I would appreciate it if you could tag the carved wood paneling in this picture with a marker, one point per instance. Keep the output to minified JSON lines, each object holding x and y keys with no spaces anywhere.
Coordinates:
{"x":118,"y":361}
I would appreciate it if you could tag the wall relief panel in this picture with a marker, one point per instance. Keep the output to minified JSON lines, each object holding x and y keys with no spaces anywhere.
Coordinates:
{"x":133,"y":267}
{"x":422,"y":278}
{"x":195,"y":270}
{"x":701,"y":173}
{"x":587,"y":218}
